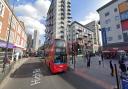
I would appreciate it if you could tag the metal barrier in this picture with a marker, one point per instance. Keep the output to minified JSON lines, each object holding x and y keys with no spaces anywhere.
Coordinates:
{"x":8,"y":66}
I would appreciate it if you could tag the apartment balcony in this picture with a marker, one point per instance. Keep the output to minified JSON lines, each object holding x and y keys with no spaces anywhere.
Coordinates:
{"x":62,"y":6}
{"x":85,"y":35}
{"x":62,"y":3}
{"x":62,"y":9}
{"x":68,"y":2}
{"x":69,"y":9}
{"x":62,"y":36}
{"x":61,"y":31}
{"x":79,"y":30}
{"x":89,"y":34}
{"x":69,"y":17}
{"x":69,"y":24}
{"x":62,"y":13}
{"x":69,"y":13}
{"x":62,"y":18}
{"x":69,"y":21}
{"x":69,"y":5}
{"x":62,"y":26}
{"x":85,"y":41}
{"x":89,"y":40}
{"x":62,"y":22}
{"x":79,"y":36}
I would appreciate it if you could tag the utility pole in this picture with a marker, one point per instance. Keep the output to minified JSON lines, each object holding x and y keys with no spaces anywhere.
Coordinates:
{"x":72,"y":46}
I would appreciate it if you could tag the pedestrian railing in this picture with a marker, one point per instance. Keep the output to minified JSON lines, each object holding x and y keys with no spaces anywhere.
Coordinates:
{"x":7,"y":67}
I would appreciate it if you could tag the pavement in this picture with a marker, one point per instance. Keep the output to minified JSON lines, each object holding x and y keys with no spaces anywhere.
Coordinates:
{"x":34,"y":74}
{"x":10,"y":68}
{"x":100,"y":74}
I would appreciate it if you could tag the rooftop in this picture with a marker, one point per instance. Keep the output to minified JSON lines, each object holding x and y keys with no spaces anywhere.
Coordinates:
{"x":106,"y":5}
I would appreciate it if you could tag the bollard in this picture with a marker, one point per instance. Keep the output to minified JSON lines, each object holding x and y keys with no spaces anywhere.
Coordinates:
{"x":117,"y":78}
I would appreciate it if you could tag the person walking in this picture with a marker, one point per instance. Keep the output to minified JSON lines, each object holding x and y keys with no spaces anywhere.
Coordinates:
{"x":99,"y":58}
{"x":122,"y":64}
{"x":88,"y":60}
{"x":112,"y":68}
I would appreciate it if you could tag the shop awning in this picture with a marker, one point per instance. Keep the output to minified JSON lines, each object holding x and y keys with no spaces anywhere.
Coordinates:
{"x":3,"y":44}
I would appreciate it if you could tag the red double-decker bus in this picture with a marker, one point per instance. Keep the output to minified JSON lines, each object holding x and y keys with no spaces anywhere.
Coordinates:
{"x":56,"y":57}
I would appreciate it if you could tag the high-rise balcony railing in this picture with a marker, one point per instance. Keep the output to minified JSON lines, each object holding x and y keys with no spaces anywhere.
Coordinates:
{"x":62,"y":22}
{"x":85,"y":35}
{"x":62,"y":18}
{"x":79,"y":30}
{"x":68,"y":2}
{"x":69,"y":9}
{"x":69,"y":21}
{"x":62,"y":13}
{"x":61,"y":31}
{"x":69,"y":13}
{"x":69,"y":17}
{"x":62,"y":3}
{"x":89,"y":40}
{"x":69,"y":6}
{"x":62,"y":9}
{"x":79,"y":36}
{"x":62,"y":36}
{"x":61,"y":26}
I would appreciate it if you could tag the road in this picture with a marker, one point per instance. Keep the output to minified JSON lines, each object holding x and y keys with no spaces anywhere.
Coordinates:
{"x":35,"y":75}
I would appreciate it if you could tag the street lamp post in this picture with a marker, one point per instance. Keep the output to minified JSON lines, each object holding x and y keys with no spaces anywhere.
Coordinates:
{"x":72,"y":46}
{"x":9,"y":31}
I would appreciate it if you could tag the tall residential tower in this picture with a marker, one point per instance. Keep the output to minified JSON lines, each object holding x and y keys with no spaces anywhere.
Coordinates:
{"x":58,"y":20}
{"x":36,"y":40}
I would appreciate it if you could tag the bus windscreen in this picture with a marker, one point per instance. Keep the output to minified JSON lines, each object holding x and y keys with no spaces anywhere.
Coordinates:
{"x":60,"y":58}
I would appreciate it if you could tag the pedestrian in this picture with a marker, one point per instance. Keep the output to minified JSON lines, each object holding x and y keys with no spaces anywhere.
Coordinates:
{"x":99,"y":58}
{"x":102,"y":57}
{"x":122,"y":64}
{"x":111,"y":67}
{"x":88,"y":60}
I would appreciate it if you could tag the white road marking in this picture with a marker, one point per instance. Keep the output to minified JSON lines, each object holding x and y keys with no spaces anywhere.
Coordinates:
{"x":35,"y":77}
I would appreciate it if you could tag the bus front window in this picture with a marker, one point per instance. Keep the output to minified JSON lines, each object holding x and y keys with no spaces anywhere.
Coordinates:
{"x":60,"y":59}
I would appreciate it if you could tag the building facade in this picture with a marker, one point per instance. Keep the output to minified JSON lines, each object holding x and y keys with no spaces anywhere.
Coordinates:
{"x":36,"y":40}
{"x":94,"y":26}
{"x":18,"y":37}
{"x":29,"y":42}
{"x":79,"y":34}
{"x":58,"y":20}
{"x":113,"y":21}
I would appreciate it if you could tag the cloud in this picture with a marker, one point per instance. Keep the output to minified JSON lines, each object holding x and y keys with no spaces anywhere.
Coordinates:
{"x":90,"y":17}
{"x":32,"y":14}
{"x":32,"y":24}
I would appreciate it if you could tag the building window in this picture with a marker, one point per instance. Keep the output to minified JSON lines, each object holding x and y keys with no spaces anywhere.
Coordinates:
{"x":107,"y":14}
{"x":125,"y":35}
{"x":108,"y":29}
{"x":109,"y":38}
{"x":0,"y":26}
{"x":107,"y":21}
{"x":119,"y":37}
{"x":115,"y":10}
{"x":116,"y":18}
{"x":118,"y":26}
{"x":1,"y":8}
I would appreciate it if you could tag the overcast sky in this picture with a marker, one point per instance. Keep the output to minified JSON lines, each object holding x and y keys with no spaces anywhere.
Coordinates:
{"x":33,"y":12}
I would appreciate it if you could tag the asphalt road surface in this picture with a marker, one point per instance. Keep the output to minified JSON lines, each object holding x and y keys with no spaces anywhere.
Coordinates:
{"x":34,"y":74}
